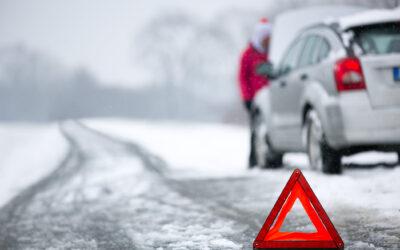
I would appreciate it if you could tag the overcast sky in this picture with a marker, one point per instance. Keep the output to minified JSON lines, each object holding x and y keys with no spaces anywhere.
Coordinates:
{"x":95,"y":34}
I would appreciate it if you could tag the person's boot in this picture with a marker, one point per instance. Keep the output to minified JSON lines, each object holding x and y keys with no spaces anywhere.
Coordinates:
{"x":252,"y":157}
{"x":252,"y":161}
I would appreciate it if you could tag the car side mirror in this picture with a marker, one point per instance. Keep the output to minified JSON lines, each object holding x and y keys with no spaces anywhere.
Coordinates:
{"x":284,"y":70}
{"x":266,"y":70}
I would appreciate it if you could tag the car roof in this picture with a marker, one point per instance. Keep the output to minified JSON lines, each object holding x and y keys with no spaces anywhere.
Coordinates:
{"x":363,"y":18}
{"x":289,"y":24}
{"x":369,"y":17}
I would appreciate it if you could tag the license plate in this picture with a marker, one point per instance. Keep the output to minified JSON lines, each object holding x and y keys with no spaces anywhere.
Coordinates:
{"x":396,"y":74}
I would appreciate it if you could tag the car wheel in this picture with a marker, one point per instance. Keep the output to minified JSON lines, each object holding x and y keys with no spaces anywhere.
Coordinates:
{"x":322,"y":157}
{"x":266,"y":156}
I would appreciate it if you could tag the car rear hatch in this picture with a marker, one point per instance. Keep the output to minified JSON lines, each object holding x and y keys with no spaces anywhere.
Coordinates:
{"x":378,"y":48}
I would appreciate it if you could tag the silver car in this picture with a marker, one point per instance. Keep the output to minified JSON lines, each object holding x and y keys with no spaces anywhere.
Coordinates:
{"x":335,"y":92}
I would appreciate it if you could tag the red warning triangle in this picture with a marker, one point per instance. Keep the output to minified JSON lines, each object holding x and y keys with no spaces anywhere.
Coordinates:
{"x":270,"y":236}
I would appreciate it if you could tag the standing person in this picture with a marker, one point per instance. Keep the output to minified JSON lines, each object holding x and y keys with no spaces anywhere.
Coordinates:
{"x":254,"y":56}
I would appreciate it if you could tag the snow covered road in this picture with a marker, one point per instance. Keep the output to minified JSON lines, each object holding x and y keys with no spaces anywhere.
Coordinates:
{"x":111,"y":193}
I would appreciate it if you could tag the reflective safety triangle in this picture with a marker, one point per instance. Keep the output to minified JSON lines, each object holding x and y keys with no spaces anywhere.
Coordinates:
{"x":270,"y":236}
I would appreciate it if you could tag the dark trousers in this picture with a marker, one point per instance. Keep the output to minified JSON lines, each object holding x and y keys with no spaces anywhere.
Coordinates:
{"x":252,"y":112}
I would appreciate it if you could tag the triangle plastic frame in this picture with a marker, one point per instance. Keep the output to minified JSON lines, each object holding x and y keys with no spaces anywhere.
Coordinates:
{"x":326,"y":236}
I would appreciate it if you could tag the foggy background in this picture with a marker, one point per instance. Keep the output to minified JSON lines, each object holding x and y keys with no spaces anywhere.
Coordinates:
{"x":138,"y":59}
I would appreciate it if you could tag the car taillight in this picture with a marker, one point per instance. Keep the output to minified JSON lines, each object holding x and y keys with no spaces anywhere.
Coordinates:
{"x":349,"y":74}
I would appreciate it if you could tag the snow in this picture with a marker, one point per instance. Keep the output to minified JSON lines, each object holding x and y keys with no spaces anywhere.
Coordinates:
{"x":369,"y":17}
{"x":114,"y":181}
{"x":29,"y":152}
{"x":203,"y":148}
{"x":224,"y":244}
{"x":215,"y":151}
{"x":205,"y":199}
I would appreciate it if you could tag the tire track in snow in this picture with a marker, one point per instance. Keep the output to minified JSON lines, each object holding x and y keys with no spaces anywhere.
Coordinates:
{"x":364,"y":232}
{"x":13,"y":211}
{"x":152,"y":162}
{"x":102,"y":228}
{"x":15,"y":215}
{"x":203,"y":193}
{"x":31,"y":219}
{"x":214,"y":205}
{"x":224,"y":210}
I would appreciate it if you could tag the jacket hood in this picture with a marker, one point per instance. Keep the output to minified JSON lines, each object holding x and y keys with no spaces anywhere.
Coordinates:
{"x":262,"y":30}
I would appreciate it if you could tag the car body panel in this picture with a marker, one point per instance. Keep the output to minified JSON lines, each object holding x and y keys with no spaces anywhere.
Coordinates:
{"x":369,"y":17}
{"x":352,"y":119}
{"x":383,"y":90}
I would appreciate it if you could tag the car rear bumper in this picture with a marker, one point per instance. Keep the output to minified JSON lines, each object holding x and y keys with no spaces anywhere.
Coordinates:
{"x":351,"y":121}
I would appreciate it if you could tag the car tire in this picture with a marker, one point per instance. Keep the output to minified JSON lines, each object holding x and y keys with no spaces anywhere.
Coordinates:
{"x":322,"y":157}
{"x":266,"y":156}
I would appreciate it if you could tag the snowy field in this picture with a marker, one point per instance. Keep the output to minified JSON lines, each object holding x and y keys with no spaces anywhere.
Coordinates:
{"x":128,"y":183}
{"x":29,"y":152}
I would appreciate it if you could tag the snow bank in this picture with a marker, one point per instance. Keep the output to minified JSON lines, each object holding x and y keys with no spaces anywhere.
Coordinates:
{"x":28,"y":153}
{"x":376,"y":189}
{"x":368,"y":184}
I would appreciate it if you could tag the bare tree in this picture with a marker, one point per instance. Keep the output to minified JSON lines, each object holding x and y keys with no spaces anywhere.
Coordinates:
{"x":160,"y":46}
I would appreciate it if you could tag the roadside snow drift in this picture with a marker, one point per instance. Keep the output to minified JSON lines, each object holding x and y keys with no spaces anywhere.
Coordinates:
{"x":29,"y":152}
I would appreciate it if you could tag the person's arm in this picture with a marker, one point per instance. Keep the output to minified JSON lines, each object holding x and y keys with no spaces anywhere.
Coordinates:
{"x":244,"y":80}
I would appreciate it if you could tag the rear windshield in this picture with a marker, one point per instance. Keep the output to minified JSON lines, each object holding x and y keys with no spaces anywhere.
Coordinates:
{"x":378,"y":39}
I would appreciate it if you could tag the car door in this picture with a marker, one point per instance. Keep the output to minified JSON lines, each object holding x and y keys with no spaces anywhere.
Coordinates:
{"x":299,"y":78}
{"x":284,"y":93}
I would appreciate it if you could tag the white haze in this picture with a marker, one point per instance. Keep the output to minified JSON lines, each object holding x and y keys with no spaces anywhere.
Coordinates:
{"x":95,"y":34}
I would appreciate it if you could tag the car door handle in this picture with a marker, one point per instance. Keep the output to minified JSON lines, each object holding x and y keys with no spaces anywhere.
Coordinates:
{"x":282,"y":84}
{"x":303,"y":77}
